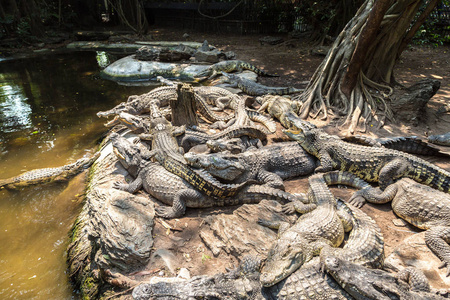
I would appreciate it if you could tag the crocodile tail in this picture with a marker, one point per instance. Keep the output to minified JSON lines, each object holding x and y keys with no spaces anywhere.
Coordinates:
{"x":431,"y":175}
{"x":255,"y":193}
{"x":413,"y":145}
{"x":257,"y":70}
{"x":233,"y":132}
{"x":345,"y":178}
{"x":263,"y":119}
{"x":206,"y":112}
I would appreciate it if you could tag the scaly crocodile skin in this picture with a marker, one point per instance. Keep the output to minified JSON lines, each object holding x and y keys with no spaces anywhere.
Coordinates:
{"x":372,"y":164}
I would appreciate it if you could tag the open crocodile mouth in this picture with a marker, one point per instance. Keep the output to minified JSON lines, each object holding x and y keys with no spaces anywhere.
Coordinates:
{"x":113,"y":122}
{"x":118,"y":154}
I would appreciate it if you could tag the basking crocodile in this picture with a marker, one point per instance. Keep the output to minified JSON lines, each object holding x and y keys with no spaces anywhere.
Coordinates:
{"x":314,"y":230}
{"x":228,"y":66}
{"x":419,"y":205}
{"x":440,"y":139}
{"x":57,"y":174}
{"x":364,"y":283}
{"x":255,"y":89}
{"x":364,"y":246}
{"x":137,"y":105}
{"x":172,"y":190}
{"x":240,"y":283}
{"x":233,"y":145}
{"x":166,"y":151}
{"x":270,"y":164}
{"x":193,"y":137}
{"x":372,"y":164}
{"x":283,"y":109}
{"x":409,"y":144}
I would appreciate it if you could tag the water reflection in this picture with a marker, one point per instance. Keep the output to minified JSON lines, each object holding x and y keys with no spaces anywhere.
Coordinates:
{"x":15,"y":113}
{"x":48,"y":109}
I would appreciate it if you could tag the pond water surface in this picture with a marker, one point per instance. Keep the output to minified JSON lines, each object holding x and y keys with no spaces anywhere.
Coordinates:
{"x":48,"y":109}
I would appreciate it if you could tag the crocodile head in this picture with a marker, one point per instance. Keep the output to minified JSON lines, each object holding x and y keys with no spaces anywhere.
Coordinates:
{"x":132,"y":122}
{"x":283,"y":259}
{"x":311,"y":140}
{"x":225,"y":166}
{"x":129,"y":154}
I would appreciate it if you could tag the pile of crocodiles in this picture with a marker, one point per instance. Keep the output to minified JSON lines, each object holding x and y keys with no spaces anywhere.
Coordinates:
{"x":333,"y":250}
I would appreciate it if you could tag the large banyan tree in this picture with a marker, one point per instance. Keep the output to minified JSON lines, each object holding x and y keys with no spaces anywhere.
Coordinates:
{"x":356,"y":77}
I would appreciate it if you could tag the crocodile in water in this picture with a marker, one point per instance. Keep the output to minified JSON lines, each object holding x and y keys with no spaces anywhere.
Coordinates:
{"x":270,"y":164}
{"x":255,"y":89}
{"x":419,"y":205}
{"x":45,"y":175}
{"x":372,"y":164}
{"x":171,"y":189}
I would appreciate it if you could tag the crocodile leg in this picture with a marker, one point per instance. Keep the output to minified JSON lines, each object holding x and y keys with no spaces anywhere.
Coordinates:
{"x":326,"y":162}
{"x":373,"y":195}
{"x":438,"y":239}
{"x":132,"y":187}
{"x":416,"y":279}
{"x":270,"y":179}
{"x":392,"y":170}
{"x":179,"y":204}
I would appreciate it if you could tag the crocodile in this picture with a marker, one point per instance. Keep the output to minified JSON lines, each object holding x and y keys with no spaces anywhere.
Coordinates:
{"x":173,"y":190}
{"x":440,"y":139}
{"x":372,"y":164}
{"x":270,"y":164}
{"x":419,"y":205}
{"x":137,"y":105}
{"x":193,"y":137}
{"x":364,"y":246}
{"x":240,"y":283}
{"x":409,"y":144}
{"x":283,"y":109}
{"x":314,"y":230}
{"x":255,"y":89}
{"x":231,"y":66}
{"x":233,"y":145}
{"x":365,"y":283}
{"x":45,"y":175}
{"x":166,"y":151}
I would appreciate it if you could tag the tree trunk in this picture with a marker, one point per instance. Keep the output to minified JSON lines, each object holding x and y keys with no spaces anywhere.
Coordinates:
{"x":184,"y":108}
{"x":357,"y":73}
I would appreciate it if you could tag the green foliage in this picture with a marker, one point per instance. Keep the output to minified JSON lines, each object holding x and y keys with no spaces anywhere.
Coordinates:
{"x":436,"y":30}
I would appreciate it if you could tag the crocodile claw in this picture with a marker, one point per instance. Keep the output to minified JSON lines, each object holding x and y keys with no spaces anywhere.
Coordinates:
{"x":288,"y":208}
{"x":357,"y":200}
{"x":445,"y":264}
{"x":118,"y":185}
{"x":165,"y":212}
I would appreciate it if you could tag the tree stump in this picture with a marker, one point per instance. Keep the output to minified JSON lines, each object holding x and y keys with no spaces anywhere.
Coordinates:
{"x":184,"y":108}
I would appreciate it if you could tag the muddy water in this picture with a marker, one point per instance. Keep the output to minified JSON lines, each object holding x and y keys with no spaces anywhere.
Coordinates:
{"x":47,"y":119}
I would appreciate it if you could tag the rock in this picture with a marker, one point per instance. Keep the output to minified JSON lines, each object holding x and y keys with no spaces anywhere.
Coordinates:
{"x":409,"y":104}
{"x":320,"y":50}
{"x":186,"y":35}
{"x":414,"y":252}
{"x":239,"y":234}
{"x":230,"y":55}
{"x":184,"y":274}
{"x":208,"y":56}
{"x":122,"y":225}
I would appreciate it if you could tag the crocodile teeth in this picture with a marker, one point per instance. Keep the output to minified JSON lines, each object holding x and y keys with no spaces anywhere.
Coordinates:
{"x":117,"y":153}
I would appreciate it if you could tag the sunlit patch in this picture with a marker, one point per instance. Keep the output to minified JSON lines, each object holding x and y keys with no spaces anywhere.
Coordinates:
{"x":15,"y":112}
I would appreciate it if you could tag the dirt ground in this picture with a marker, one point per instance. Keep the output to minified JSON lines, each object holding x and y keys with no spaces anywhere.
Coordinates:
{"x":295,"y":64}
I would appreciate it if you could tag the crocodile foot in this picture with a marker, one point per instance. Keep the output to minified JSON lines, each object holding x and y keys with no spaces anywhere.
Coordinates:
{"x":167,"y":212}
{"x":357,"y":199}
